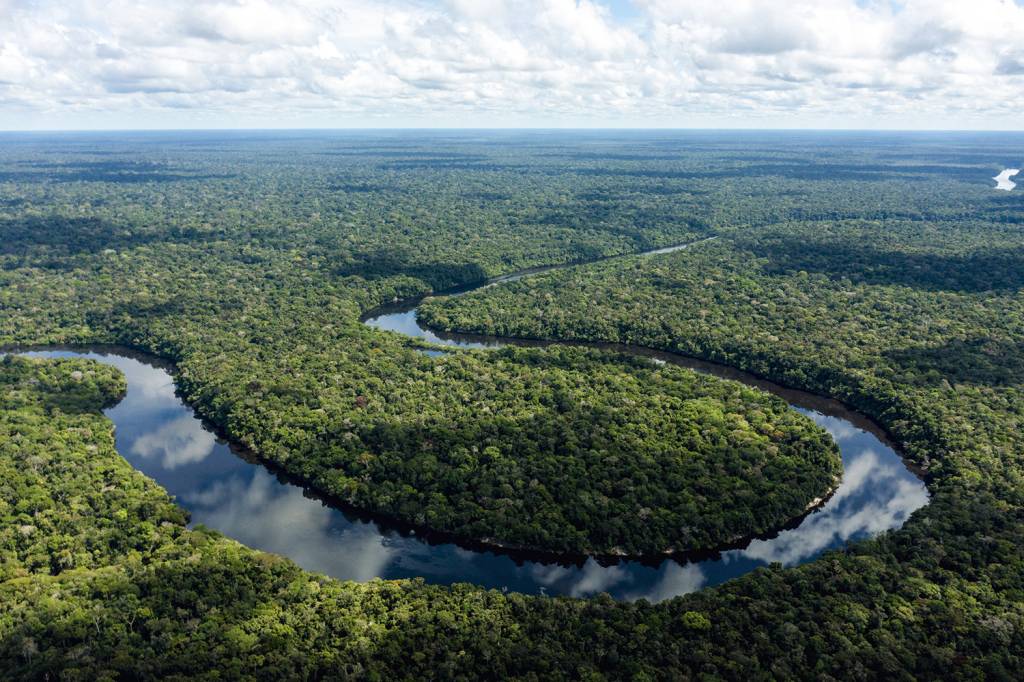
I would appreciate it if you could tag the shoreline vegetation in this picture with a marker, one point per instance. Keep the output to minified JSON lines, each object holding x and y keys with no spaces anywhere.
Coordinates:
{"x":730,"y":538}
{"x":885,"y":276}
{"x":436,"y":536}
{"x":809,"y":455}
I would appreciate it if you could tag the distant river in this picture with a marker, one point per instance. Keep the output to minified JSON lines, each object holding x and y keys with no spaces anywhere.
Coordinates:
{"x":1003,"y":180}
{"x":228,"y":490}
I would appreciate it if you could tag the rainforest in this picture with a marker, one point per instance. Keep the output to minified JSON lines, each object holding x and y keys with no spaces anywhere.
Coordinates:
{"x":478,"y":349}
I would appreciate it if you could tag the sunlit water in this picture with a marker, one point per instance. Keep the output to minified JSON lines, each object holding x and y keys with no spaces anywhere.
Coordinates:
{"x":1003,"y":180}
{"x":228,"y":491}
{"x":162,"y":437}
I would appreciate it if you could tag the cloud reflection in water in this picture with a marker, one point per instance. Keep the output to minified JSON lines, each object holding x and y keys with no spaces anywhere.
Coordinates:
{"x":162,"y":437}
{"x":261,"y":512}
{"x":877,"y":493}
{"x":676,"y":580}
{"x":842,"y":519}
{"x":177,"y":443}
{"x":592,"y":579}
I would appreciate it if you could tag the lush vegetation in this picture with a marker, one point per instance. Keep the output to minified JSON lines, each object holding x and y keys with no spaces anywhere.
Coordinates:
{"x":878,"y":269}
{"x":101,"y":579}
{"x":555,"y":450}
{"x":133,"y":594}
{"x":931,"y":355}
{"x":63,"y":503}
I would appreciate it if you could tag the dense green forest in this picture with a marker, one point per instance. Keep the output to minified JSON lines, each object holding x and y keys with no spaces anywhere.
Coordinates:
{"x":878,"y":269}
{"x":557,"y":450}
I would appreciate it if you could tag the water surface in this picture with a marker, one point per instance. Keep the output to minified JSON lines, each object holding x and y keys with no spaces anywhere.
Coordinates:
{"x":228,"y":491}
{"x":1003,"y":180}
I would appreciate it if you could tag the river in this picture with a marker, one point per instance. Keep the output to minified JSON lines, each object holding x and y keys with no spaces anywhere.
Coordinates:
{"x":228,"y":490}
{"x":1003,"y":180}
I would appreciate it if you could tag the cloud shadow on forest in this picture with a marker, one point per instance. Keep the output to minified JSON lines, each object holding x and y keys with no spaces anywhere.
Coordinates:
{"x":977,"y":361}
{"x":383,"y":264}
{"x":990,"y":270}
{"x":60,"y":236}
{"x":121,"y":172}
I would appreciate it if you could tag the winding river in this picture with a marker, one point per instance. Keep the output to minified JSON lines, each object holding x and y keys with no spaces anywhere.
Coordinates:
{"x":229,"y":491}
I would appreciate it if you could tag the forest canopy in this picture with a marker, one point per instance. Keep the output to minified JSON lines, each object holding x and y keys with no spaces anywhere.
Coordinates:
{"x":877,"y":269}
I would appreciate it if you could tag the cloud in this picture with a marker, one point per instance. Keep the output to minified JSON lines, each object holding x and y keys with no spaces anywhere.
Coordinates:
{"x":1011,"y":65}
{"x":176,"y":443}
{"x":494,"y":61}
{"x":892,"y":497}
{"x":261,"y":513}
{"x":249,"y":23}
{"x":676,"y":580}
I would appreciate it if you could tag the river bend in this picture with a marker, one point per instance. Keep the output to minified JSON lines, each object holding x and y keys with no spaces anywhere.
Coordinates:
{"x":229,"y":491}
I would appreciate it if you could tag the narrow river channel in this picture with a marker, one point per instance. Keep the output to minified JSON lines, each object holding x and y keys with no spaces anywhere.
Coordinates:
{"x":230,"y":492}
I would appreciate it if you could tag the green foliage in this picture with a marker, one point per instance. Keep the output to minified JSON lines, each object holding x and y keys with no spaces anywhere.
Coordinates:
{"x":67,"y":499}
{"x":880,"y":270}
{"x":557,"y":450}
{"x":915,"y":321}
{"x":561,"y":450}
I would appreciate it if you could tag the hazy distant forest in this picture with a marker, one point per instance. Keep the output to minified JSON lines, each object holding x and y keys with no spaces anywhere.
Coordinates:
{"x":880,"y":269}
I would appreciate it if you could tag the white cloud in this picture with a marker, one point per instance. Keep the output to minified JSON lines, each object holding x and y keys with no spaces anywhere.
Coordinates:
{"x":261,"y":513}
{"x":675,"y":581}
{"x":176,"y":443}
{"x":249,"y":22}
{"x":490,"y":62}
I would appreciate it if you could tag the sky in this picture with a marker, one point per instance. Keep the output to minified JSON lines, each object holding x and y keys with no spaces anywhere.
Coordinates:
{"x":117,"y":64}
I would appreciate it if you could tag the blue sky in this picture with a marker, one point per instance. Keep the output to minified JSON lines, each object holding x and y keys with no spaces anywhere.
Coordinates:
{"x":112,"y":64}
{"x":623,"y":10}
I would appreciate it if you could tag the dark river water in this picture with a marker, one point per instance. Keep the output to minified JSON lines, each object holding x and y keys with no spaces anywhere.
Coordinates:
{"x":224,"y":490}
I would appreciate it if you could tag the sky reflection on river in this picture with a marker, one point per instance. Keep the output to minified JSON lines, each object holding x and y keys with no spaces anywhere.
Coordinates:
{"x":1003,"y":180}
{"x":162,"y":438}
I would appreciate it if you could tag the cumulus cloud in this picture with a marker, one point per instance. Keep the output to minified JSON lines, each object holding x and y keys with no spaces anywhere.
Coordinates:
{"x":676,"y":580}
{"x":261,"y":513}
{"x":177,"y":443}
{"x":526,"y":61}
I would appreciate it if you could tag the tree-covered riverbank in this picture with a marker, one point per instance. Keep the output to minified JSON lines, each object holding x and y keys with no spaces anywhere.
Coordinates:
{"x":881,"y":275}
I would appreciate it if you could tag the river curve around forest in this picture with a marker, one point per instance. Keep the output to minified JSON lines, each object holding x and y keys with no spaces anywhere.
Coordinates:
{"x":228,"y":490}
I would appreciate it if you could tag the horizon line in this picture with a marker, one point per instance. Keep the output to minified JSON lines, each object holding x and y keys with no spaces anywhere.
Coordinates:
{"x":5,"y":131}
